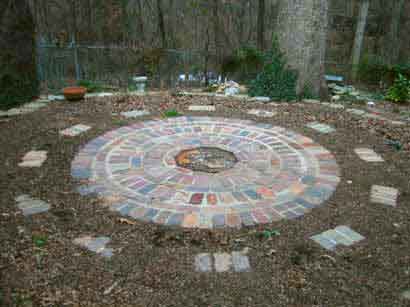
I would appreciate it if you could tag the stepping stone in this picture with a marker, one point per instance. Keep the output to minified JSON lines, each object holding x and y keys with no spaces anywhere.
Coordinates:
{"x":34,"y":159}
{"x":260,"y":99}
{"x":368,"y":155}
{"x":341,"y":235}
{"x":55,"y":98}
{"x":30,"y":206}
{"x":240,"y":262}
{"x":336,"y":106}
{"x":322,"y":128}
{"x":311,"y":101}
{"x":96,"y":245}
{"x":397,"y":123}
{"x":203,"y":263}
{"x":356,"y":111}
{"x":222,"y":262}
{"x":202,"y":108}
{"x":75,"y":130}
{"x":261,"y":113}
{"x":384,"y":195}
{"x":98,"y":95}
{"x":135,"y":113}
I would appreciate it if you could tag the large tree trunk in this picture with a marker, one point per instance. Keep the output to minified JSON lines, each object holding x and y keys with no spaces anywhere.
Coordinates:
{"x":358,"y":40}
{"x":302,"y":32}
{"x":161,"y":24}
{"x":261,"y":25}
{"x":393,"y":45}
{"x":18,"y":76}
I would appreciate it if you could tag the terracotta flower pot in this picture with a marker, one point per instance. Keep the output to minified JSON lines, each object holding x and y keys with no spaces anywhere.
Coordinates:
{"x":74,"y":93}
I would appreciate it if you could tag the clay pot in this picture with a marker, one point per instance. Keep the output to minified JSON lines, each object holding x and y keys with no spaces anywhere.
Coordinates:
{"x":74,"y":93}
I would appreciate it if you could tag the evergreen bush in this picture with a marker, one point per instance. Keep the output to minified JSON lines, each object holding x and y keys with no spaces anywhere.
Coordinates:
{"x":275,"y":80}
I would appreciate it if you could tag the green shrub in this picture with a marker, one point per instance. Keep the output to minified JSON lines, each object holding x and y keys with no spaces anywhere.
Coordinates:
{"x":91,"y":86}
{"x":16,"y":89}
{"x":373,"y":69}
{"x":275,"y":80}
{"x":171,"y":113}
{"x":244,"y":63}
{"x":400,"y":91}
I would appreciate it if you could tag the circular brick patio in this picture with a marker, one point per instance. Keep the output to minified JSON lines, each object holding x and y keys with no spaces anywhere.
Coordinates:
{"x":207,"y":172}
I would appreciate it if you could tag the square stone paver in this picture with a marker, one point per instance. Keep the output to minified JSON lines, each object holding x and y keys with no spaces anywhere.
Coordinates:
{"x":75,"y":130}
{"x":203,"y":263}
{"x":261,"y":113}
{"x":341,"y":235}
{"x":34,"y":159}
{"x":202,"y":108}
{"x":322,"y":128}
{"x":96,"y":245}
{"x":384,"y":195}
{"x":30,"y":206}
{"x":368,"y":155}
{"x":135,"y":113}
{"x":240,"y":262}
{"x":222,"y":262}
{"x":356,"y":112}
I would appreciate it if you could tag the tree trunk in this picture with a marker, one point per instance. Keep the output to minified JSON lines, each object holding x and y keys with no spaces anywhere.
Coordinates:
{"x":18,"y":75}
{"x":358,"y":40}
{"x":302,"y":29}
{"x":161,"y":24}
{"x":261,"y":25}
{"x":393,"y":44}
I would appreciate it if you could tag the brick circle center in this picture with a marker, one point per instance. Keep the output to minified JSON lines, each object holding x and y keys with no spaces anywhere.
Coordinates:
{"x":202,"y":172}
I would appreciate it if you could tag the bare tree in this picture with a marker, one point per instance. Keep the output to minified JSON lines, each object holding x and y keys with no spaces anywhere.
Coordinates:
{"x":261,"y":25}
{"x":358,"y":40}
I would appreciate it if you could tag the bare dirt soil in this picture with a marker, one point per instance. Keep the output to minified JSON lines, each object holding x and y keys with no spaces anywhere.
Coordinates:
{"x":153,"y":265}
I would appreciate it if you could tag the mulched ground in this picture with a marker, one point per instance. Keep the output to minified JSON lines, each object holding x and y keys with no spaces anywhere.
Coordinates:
{"x":153,"y":265}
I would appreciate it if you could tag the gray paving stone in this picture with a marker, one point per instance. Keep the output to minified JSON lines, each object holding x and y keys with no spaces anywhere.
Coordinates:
{"x":341,"y":235}
{"x":135,"y":113}
{"x":356,"y":111}
{"x":202,"y":108}
{"x":368,"y":155}
{"x":30,"y":206}
{"x":261,"y":113}
{"x":34,"y":159}
{"x":240,"y":262}
{"x":203,"y":263}
{"x":75,"y":130}
{"x":354,"y":236}
{"x":384,"y":195}
{"x":96,"y":245}
{"x":223,"y":262}
{"x":322,"y":128}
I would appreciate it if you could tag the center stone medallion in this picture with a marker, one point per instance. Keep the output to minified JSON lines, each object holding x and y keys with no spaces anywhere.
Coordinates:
{"x":206,"y":159}
{"x":202,"y":172}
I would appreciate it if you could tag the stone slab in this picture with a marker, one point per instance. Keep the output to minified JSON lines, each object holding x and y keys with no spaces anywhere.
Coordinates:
{"x":341,"y":235}
{"x":95,"y":244}
{"x":368,"y":155}
{"x":384,"y":195}
{"x":202,"y":108}
{"x":30,"y":206}
{"x":135,"y":113}
{"x":75,"y":130}
{"x":34,"y":159}
{"x":203,"y":263}
{"x":322,"y":128}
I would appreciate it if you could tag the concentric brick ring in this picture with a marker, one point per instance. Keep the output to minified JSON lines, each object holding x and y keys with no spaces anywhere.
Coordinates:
{"x":278,"y":173}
